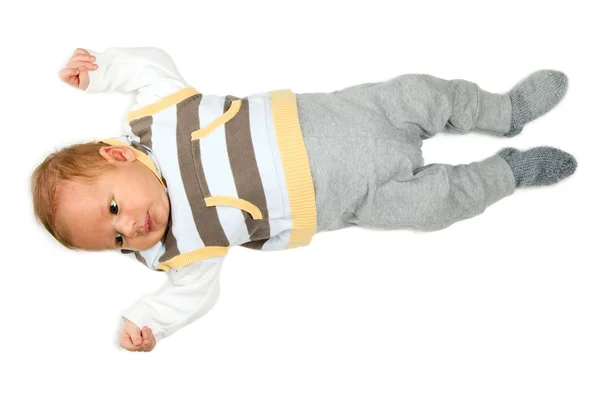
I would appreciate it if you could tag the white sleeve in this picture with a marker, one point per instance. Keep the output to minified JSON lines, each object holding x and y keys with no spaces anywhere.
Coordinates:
{"x":149,"y":71}
{"x":188,"y":295}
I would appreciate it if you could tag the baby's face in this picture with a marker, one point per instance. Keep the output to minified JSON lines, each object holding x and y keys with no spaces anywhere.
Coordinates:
{"x":127,"y":207}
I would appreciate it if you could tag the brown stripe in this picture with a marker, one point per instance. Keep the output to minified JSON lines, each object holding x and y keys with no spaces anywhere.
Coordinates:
{"x":192,"y":174}
{"x":245,"y":169}
{"x":258,"y":245}
{"x":143,"y":129}
{"x":170,"y":243}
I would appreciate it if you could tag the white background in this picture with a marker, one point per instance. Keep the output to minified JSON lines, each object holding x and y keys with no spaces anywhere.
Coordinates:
{"x":503,"y":305}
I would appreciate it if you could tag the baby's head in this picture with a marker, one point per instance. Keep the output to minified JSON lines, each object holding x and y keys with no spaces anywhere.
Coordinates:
{"x":94,"y":196}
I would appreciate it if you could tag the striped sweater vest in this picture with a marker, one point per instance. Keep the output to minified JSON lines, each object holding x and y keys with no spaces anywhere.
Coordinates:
{"x":236,"y":172}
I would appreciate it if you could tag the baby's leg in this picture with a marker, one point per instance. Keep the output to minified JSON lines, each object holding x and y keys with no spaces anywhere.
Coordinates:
{"x":438,"y":105}
{"x":440,"y":195}
{"x":433,"y":105}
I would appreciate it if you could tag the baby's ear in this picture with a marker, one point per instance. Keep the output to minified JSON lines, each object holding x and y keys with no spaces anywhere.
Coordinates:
{"x":117,"y":153}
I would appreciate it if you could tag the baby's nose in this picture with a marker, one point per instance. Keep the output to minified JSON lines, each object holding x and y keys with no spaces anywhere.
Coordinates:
{"x":129,"y":227}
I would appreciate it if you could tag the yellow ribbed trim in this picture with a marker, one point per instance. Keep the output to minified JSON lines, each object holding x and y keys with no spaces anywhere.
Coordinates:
{"x":221,"y":120}
{"x":140,"y":156}
{"x":295,"y":166}
{"x":193,"y":256}
{"x":162,"y":104}
{"x":236,"y":203}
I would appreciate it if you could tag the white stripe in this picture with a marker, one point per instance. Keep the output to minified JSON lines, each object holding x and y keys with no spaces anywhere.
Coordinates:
{"x":264,"y":160}
{"x":152,"y":255}
{"x":271,"y":170}
{"x":275,"y":156}
{"x":282,"y":239}
{"x":217,"y":169}
{"x":164,"y":145}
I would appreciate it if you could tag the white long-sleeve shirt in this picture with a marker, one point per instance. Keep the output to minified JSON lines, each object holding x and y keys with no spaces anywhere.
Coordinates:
{"x":189,"y":292}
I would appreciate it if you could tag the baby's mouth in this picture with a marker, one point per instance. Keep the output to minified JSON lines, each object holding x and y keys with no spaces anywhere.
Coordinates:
{"x":148,"y":225}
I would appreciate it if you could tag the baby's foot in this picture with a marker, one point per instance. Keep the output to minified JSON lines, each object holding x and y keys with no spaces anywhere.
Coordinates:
{"x":539,"y":166}
{"x":535,"y":96}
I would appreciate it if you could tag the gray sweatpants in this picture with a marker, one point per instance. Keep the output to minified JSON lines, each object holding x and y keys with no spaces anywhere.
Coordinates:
{"x":364,"y":149}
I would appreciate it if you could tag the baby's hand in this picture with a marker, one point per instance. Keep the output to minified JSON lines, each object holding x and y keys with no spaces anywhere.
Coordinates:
{"x":135,"y":340}
{"x":76,"y":71}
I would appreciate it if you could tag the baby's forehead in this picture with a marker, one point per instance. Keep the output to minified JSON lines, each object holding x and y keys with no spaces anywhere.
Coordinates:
{"x":76,"y":188}
{"x":80,"y":211}
{"x":77,"y":200}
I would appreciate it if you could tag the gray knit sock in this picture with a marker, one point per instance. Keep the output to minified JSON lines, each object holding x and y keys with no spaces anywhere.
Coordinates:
{"x":539,"y":166}
{"x":535,"y":96}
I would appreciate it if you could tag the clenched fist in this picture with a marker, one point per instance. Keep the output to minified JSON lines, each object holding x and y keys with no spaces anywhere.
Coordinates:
{"x":76,"y":71}
{"x":135,"y":340}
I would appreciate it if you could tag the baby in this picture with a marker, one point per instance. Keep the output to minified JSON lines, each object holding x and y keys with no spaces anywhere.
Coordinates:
{"x":196,"y":174}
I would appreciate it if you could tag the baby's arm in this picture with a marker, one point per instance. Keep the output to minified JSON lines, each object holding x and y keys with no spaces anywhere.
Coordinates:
{"x":188,"y":295}
{"x":149,"y":71}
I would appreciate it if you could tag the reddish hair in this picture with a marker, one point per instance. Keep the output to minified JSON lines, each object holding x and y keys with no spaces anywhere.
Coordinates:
{"x":81,"y":162}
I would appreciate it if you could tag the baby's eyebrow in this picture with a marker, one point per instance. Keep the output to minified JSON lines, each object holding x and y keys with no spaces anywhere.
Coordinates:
{"x":110,"y":244}
{"x":112,"y":241}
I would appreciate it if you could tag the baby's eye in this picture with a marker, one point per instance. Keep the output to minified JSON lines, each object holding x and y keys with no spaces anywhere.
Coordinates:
{"x":119,"y":239}
{"x":114,"y":209}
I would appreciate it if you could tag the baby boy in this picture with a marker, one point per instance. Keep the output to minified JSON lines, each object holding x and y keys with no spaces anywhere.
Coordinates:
{"x":195,"y":174}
